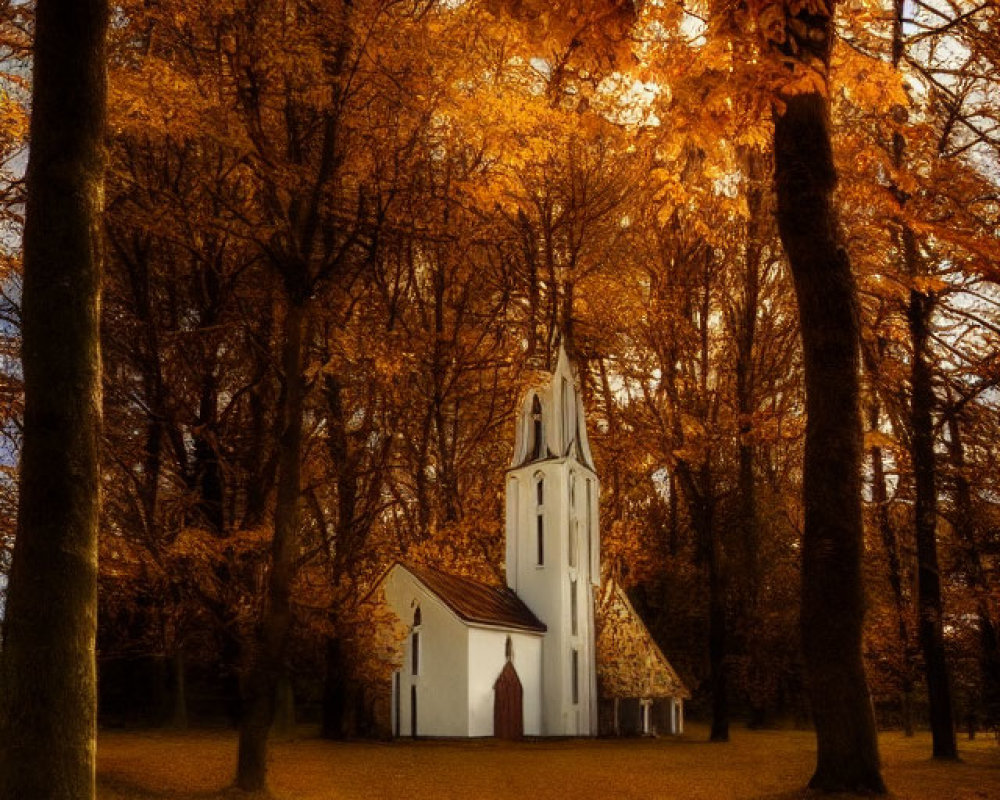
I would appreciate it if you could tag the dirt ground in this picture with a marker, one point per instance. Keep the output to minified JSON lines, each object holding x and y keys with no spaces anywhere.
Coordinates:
{"x":763,"y":765}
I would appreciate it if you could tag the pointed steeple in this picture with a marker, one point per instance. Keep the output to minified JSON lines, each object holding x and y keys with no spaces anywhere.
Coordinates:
{"x":551,"y":422}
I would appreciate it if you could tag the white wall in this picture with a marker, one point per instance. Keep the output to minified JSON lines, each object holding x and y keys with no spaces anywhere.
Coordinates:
{"x":487,"y":656}
{"x":442,"y":685}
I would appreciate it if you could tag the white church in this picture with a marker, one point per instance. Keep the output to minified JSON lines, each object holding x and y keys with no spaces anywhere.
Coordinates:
{"x":522,"y":660}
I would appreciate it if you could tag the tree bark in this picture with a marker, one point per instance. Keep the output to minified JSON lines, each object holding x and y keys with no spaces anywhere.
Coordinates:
{"x":47,"y":667}
{"x":266,"y":665}
{"x":832,"y":591}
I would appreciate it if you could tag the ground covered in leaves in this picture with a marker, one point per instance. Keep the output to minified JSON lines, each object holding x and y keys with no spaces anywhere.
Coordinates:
{"x":769,"y":765}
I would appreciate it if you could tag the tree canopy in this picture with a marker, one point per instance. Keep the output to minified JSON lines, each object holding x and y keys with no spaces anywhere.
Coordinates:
{"x":343,"y":237}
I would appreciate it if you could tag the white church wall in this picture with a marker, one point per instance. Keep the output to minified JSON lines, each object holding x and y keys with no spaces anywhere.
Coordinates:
{"x":546,"y":588}
{"x":487,"y":656}
{"x":443,"y":678}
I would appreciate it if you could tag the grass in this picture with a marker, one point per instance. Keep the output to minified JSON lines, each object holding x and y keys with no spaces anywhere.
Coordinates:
{"x":763,"y":765}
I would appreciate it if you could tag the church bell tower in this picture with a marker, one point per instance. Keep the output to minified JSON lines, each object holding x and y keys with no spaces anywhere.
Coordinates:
{"x":553,"y":545}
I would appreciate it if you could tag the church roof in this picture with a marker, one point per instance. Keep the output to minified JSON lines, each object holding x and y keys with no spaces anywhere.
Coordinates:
{"x":629,"y":662}
{"x":477,"y":602}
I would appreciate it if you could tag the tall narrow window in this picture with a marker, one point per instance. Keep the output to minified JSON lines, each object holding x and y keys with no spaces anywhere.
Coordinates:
{"x":567,"y":410}
{"x":575,"y":676}
{"x":415,"y":643}
{"x":590,"y":524}
{"x":540,"y":518}
{"x":590,"y":511}
{"x":573,"y":613}
{"x":538,"y":443}
{"x":397,"y":700}
{"x":571,"y":539}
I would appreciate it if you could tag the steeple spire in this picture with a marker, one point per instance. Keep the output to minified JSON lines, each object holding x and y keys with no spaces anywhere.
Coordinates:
{"x":551,"y":421}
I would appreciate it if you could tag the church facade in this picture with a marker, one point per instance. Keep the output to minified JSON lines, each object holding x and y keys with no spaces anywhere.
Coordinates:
{"x":519,"y":659}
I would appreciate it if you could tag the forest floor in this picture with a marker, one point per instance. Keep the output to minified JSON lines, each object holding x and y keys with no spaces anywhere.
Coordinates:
{"x":763,"y":765}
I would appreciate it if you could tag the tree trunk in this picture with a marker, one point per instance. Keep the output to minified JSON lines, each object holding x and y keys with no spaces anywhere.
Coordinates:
{"x":266,"y":665}
{"x":929,"y":602}
{"x":335,"y":692}
{"x":47,"y":668}
{"x":880,"y":498}
{"x":746,"y":334}
{"x":178,"y":719}
{"x":701,"y":502}
{"x":832,"y":591}
{"x":966,"y":528}
{"x":716,"y":631}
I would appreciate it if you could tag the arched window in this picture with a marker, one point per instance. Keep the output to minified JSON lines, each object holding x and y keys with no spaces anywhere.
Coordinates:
{"x":538,"y":439}
{"x":508,"y":649}
{"x":415,"y":642}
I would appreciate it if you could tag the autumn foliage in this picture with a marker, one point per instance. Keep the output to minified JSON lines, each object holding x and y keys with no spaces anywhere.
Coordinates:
{"x":371,"y":223}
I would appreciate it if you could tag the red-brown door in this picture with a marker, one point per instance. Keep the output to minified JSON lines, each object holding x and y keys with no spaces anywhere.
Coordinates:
{"x":508,"y":704}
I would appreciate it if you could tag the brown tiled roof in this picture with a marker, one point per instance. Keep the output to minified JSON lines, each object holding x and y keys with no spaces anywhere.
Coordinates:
{"x":477,"y":602}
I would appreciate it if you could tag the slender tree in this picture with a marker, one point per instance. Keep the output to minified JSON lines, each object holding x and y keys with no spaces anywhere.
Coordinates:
{"x":47,"y":666}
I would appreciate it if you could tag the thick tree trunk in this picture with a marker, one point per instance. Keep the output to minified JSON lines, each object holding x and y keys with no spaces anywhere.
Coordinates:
{"x":832,"y":592}
{"x":47,"y":668}
{"x":261,"y":680}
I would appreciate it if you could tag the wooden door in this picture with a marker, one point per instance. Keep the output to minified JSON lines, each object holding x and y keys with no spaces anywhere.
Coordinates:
{"x":508,"y":704}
